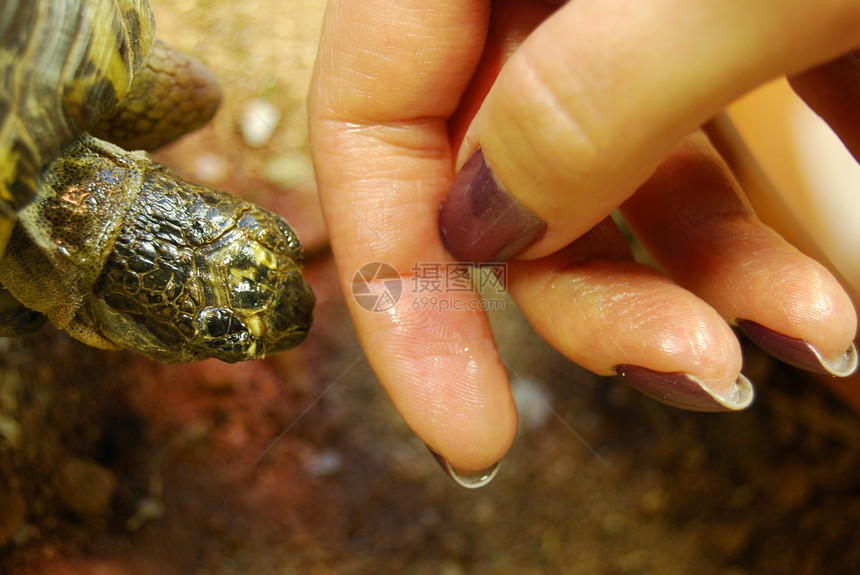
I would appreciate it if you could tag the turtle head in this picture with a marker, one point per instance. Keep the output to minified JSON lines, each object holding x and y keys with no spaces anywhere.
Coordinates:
{"x":263,"y":305}
{"x":196,"y":273}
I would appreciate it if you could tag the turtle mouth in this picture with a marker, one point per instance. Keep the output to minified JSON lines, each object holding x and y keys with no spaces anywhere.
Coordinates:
{"x":291,"y":318}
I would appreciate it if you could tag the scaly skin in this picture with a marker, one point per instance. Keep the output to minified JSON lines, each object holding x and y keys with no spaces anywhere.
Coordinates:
{"x":171,"y":94}
{"x":126,"y":254}
{"x":109,"y":246}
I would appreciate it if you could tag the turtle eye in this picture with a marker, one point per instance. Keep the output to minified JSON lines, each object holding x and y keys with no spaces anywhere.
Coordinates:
{"x":219,"y":322}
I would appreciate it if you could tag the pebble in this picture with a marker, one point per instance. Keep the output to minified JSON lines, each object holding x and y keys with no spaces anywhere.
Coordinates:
{"x":324,"y":464}
{"x":85,"y":487}
{"x":210,"y":168}
{"x":533,"y":403}
{"x":653,"y":501}
{"x":259,"y":120}
{"x":13,"y":508}
{"x":147,"y":509}
{"x":288,"y":171}
{"x":10,"y":430}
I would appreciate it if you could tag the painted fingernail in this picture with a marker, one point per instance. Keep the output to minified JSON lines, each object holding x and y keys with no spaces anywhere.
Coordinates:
{"x":798,"y":352}
{"x":471,"y":480}
{"x":685,"y":391}
{"x":480,"y":221}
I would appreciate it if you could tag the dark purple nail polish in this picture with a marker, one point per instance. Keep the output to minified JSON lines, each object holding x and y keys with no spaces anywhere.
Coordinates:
{"x":685,"y":391}
{"x":480,"y":221}
{"x":467,"y":480}
{"x":798,"y":352}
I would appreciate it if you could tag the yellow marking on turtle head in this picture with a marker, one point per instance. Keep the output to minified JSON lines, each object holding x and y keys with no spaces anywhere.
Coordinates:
{"x":239,"y":274}
{"x":256,"y":326}
{"x":265,"y":257}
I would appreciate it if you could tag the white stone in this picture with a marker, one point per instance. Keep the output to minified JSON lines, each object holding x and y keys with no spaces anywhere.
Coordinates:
{"x":533,"y":403}
{"x":259,"y":121}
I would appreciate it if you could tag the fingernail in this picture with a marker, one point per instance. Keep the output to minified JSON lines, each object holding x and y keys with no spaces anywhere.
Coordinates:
{"x":480,"y":221}
{"x":471,"y":480}
{"x":798,"y":352}
{"x":685,"y":391}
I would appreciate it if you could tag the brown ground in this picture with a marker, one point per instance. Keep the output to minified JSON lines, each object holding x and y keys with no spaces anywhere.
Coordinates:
{"x":299,"y":464}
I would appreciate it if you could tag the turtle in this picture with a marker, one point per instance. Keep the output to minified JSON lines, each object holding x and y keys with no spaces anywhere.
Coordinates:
{"x":108,"y":245}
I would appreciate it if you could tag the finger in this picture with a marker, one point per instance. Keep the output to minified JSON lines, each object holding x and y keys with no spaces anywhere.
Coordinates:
{"x":691,"y":217}
{"x":590,"y":104}
{"x":511,"y":22}
{"x":833,"y":91}
{"x":612,"y":315}
{"x":388,"y":76}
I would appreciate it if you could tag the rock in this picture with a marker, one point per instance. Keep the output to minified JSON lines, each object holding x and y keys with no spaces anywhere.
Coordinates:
{"x":13,"y":509}
{"x":324,"y":464}
{"x":533,"y":403}
{"x":259,"y":120}
{"x":85,"y":487}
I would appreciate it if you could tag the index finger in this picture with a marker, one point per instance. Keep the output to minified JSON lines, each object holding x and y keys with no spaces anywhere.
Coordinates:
{"x":388,"y":77}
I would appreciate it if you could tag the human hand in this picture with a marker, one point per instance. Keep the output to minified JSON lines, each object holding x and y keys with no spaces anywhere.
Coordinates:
{"x":598,"y":106}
